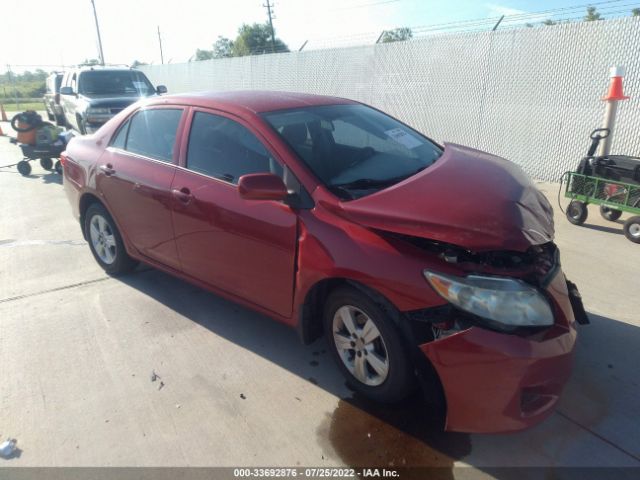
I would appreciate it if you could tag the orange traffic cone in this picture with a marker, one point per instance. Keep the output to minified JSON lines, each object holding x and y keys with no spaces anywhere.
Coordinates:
{"x":615,"y":86}
{"x":3,"y":113}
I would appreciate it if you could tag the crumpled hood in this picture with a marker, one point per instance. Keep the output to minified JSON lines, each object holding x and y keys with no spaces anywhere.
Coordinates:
{"x":467,"y":198}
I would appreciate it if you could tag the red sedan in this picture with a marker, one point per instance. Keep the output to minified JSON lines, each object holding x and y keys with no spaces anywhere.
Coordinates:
{"x":422,"y":265}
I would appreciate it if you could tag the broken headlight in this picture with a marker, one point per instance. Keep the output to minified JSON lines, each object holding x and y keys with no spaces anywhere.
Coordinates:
{"x":509,"y":302}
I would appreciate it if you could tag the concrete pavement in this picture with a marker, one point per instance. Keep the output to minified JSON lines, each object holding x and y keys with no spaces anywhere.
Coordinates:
{"x":77,"y":349}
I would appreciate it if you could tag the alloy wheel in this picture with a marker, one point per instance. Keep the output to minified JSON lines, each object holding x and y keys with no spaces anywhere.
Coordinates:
{"x":102,"y":239}
{"x":360,"y":345}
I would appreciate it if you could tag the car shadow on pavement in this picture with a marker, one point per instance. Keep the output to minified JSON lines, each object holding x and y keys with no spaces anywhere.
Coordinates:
{"x":363,"y":433}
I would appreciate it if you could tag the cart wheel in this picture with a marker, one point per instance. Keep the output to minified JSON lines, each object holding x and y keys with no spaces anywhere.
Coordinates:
{"x":46,"y":163}
{"x":632,"y":229}
{"x":58,"y":167}
{"x":609,"y":213}
{"x":24,"y":168}
{"x":577,"y":212}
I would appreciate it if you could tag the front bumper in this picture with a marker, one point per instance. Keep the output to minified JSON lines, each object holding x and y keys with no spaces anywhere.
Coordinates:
{"x":496,"y":382}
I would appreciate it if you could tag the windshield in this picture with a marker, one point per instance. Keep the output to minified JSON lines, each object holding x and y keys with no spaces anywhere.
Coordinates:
{"x":355,"y":150}
{"x":114,"y":82}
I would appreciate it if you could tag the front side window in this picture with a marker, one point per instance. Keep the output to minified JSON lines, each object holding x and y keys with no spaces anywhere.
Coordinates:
{"x":222,"y":148}
{"x":354,"y":150}
{"x":152,"y":133}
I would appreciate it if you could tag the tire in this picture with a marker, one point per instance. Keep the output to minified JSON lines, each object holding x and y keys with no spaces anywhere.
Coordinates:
{"x":81,"y":127}
{"x":58,"y":167}
{"x":46,"y":163}
{"x":50,"y":116}
{"x":24,"y":168}
{"x":106,"y":242}
{"x":577,"y":212}
{"x":609,"y":213}
{"x":60,"y":121}
{"x":632,"y":229}
{"x":390,"y":378}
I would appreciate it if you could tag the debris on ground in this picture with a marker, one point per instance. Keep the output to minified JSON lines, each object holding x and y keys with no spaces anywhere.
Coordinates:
{"x":242,"y":396}
{"x":161,"y":385}
{"x":154,"y":376}
{"x":8,"y":447}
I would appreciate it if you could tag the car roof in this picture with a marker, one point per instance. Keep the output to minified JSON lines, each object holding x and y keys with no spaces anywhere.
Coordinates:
{"x":257,"y":101}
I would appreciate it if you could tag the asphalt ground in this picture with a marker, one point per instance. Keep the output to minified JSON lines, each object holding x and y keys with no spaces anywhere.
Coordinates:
{"x":78,"y":348}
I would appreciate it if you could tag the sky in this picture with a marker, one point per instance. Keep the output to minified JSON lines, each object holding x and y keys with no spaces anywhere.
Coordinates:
{"x":129,"y":27}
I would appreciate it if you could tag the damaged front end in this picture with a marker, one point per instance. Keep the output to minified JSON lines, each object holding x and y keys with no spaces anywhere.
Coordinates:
{"x":502,"y":345}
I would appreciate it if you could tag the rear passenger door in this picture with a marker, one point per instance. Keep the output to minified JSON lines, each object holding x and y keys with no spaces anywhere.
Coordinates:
{"x":135,"y":174}
{"x":244,"y":247}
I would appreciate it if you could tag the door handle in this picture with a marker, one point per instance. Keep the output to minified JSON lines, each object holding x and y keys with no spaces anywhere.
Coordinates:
{"x":107,"y":169}
{"x":184,"y":194}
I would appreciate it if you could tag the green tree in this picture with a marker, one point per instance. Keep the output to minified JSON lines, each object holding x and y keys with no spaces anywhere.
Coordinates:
{"x":396,"y":35}
{"x":549,"y":22}
{"x":635,"y":12}
{"x":255,"y":40}
{"x":137,"y":63}
{"x":203,"y":55}
{"x":592,"y":15}
{"x":223,"y":47}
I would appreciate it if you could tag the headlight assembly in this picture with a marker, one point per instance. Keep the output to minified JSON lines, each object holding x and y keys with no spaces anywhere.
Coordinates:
{"x":506,"y":301}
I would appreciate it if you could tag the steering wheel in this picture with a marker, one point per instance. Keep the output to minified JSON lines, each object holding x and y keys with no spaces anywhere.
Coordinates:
{"x":363,"y":154}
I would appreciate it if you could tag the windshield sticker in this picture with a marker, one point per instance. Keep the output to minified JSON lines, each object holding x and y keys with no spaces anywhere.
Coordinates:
{"x":403,"y":138}
{"x":140,"y":85}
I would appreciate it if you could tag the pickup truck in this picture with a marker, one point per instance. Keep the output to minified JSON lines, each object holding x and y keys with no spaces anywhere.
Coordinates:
{"x":90,"y":96}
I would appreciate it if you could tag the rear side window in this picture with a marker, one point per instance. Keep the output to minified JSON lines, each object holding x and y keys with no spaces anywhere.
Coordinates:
{"x":152,"y":133}
{"x":120,"y":140}
{"x":224,"y":149}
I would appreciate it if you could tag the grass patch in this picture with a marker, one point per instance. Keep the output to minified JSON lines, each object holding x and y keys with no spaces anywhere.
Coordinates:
{"x":11,"y":107}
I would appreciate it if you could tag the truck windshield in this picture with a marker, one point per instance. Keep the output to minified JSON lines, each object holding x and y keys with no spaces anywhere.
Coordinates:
{"x":126,"y":82}
{"x":354,"y":150}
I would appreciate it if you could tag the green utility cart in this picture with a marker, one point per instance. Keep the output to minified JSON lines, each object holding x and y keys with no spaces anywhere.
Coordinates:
{"x":614,"y":198}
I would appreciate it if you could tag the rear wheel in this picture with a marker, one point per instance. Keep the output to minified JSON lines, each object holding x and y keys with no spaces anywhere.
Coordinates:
{"x":58,"y":167}
{"x":106,"y":242}
{"x":367,"y":346}
{"x":577,"y":212}
{"x":632,"y":229}
{"x":609,"y":213}
{"x":46,"y":163}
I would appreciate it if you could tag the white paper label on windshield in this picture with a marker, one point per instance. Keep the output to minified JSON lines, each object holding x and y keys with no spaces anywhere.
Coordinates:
{"x":403,"y":138}
{"x":140,"y":85}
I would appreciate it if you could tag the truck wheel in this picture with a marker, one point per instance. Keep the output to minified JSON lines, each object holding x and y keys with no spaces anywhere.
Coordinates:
{"x":24,"y":168}
{"x":577,"y":212}
{"x":81,"y":126}
{"x":632,"y":229}
{"x":50,"y":116}
{"x":46,"y":163}
{"x":609,"y":213}
{"x":367,"y":346}
{"x":60,"y":121}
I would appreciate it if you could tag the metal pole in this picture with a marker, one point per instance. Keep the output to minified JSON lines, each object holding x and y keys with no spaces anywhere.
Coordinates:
{"x":495,"y":27}
{"x":303,"y":45}
{"x":160,"y":41}
{"x":380,"y":37}
{"x":95,"y":16}
{"x":268,"y":6}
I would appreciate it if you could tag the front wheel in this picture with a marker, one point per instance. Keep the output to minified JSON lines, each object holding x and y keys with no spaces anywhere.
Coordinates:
{"x":106,"y":242}
{"x":46,"y":163}
{"x":367,"y":346}
{"x":632,"y":229}
{"x":577,"y":212}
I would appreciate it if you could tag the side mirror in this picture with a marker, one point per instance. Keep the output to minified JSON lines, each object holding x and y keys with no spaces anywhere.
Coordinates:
{"x":262,"y":186}
{"x":66,"y":91}
{"x":160,"y":89}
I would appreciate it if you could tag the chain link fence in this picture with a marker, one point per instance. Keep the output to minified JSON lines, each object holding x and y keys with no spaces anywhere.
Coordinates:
{"x":531,"y":95}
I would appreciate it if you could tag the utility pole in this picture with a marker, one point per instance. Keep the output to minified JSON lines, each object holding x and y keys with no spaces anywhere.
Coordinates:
{"x":269,"y":7}
{"x":95,"y":15}
{"x":160,"y":41}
